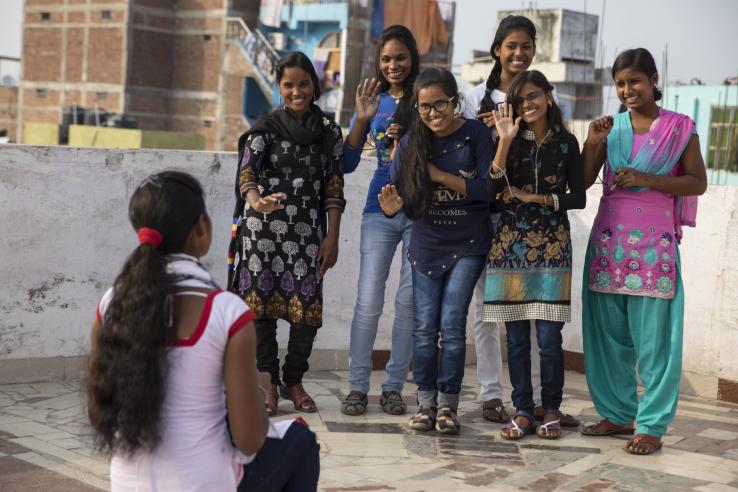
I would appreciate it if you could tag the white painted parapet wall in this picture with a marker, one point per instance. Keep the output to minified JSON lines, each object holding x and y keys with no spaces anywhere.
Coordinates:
{"x":64,"y":234}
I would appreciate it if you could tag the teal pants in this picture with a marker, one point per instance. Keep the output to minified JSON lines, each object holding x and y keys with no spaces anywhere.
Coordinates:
{"x":622,"y":333}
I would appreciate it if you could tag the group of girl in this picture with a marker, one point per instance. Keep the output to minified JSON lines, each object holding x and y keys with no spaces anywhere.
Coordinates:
{"x":477,"y":188}
{"x":478,"y":200}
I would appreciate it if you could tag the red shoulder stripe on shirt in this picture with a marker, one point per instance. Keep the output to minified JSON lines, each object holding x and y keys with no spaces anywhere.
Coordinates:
{"x":192,"y":340}
{"x":240,"y":322}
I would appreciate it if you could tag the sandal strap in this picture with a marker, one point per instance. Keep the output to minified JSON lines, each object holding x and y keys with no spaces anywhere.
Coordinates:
{"x":645,"y":438}
{"x":556,"y":424}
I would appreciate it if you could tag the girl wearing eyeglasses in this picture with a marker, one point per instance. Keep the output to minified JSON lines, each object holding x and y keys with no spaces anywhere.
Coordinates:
{"x":440,"y":175}
{"x":530,"y":259}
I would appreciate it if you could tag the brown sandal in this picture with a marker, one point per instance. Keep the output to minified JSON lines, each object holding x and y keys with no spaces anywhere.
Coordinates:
{"x":299,"y":398}
{"x":643,"y":444}
{"x":272,"y":400}
{"x":494,"y":411}
{"x":565,"y":419}
{"x":610,"y":429}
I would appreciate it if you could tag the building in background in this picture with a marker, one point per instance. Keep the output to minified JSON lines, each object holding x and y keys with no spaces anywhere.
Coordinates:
{"x":193,"y":67}
{"x":566,"y":48}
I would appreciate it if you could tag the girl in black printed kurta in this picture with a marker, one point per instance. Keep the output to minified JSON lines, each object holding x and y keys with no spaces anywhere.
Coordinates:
{"x":289,"y":178}
{"x":530,"y":259}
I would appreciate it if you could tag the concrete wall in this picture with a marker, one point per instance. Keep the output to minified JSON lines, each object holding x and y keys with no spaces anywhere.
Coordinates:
{"x":65,"y":234}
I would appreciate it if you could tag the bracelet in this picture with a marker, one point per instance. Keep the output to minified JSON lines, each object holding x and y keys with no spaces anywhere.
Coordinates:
{"x":496,"y":175}
{"x":554,"y":201}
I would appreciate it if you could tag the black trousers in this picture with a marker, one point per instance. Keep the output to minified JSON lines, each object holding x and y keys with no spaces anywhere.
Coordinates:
{"x":291,"y":464}
{"x":299,"y":347}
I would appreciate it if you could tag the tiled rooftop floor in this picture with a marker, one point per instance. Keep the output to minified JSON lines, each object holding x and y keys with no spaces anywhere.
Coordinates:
{"x":44,"y":446}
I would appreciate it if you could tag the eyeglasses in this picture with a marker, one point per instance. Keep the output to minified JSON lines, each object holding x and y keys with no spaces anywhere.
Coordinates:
{"x":439,"y":106}
{"x":531,"y":96}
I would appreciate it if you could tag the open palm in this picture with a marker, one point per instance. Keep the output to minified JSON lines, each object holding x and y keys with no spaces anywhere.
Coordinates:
{"x":507,"y":128}
{"x":389,"y":200}
{"x":367,"y":102}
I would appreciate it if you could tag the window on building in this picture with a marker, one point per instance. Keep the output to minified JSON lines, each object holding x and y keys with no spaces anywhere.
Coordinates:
{"x":45,"y":16}
{"x":101,"y":96}
{"x":207,"y":123}
{"x":105,"y":14}
{"x":40,"y":92}
{"x":207,"y":37}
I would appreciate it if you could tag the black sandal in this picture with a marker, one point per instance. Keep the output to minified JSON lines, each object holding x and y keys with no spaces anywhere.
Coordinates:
{"x":392,"y":403}
{"x":355,"y":403}
{"x":494,"y":411}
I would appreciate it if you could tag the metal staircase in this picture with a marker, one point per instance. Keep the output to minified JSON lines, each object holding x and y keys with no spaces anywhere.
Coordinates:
{"x":258,"y":53}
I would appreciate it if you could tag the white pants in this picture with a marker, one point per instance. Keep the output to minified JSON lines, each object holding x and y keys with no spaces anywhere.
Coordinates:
{"x":489,"y":357}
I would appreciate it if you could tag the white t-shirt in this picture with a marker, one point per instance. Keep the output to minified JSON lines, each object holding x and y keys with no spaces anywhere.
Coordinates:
{"x":195,"y":453}
{"x":472,"y":99}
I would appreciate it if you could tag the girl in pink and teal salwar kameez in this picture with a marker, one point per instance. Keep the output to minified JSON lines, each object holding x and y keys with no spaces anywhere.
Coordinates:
{"x":632,"y":294}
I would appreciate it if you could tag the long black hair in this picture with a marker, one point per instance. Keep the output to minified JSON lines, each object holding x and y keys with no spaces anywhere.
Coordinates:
{"x":405,"y":111}
{"x":298,"y":59}
{"x":508,"y":25}
{"x":553,"y":114}
{"x":127,"y":374}
{"x":414,"y":183}
{"x":639,"y":59}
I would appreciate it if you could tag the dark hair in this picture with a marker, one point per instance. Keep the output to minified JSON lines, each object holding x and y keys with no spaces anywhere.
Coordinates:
{"x":298,"y":59}
{"x":405,"y":111}
{"x":507,"y":26}
{"x":414,"y":184}
{"x":553,"y":114}
{"x":639,"y":59}
{"x":127,"y":374}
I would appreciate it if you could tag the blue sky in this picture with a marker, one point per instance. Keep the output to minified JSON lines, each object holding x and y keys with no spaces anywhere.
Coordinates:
{"x":701,"y":34}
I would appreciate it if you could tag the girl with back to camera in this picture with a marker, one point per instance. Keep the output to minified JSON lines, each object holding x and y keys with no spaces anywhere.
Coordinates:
{"x":632,"y":293}
{"x":383,"y":112}
{"x":289,"y":178}
{"x":441,"y":176}
{"x":529,"y":270}
{"x":171,"y":353}
{"x":513,"y":50}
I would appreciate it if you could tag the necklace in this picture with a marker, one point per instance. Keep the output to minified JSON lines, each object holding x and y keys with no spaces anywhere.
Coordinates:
{"x":396,"y":98}
{"x":528,"y":134}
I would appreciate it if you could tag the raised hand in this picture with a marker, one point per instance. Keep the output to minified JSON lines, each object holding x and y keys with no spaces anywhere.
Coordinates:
{"x":367,"y":102}
{"x":389,"y":200}
{"x":507,"y":128}
{"x":269,"y":203}
{"x":599,"y":129}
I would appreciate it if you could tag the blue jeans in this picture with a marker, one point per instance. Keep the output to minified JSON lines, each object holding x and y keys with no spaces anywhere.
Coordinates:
{"x":549,"y":338}
{"x":380,"y":236}
{"x":441,"y":306}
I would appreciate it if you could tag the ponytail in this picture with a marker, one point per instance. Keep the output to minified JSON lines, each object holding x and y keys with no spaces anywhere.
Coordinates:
{"x":493,"y":82}
{"x":127,"y":375}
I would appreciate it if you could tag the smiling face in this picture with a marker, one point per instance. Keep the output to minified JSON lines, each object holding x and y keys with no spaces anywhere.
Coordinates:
{"x":296,"y":88}
{"x":516,"y":52}
{"x":429,"y":100}
{"x":634,"y":88}
{"x":531,"y":102}
{"x":395,"y":62}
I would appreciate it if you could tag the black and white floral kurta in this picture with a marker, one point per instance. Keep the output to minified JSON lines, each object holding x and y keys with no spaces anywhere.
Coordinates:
{"x":276,"y":271}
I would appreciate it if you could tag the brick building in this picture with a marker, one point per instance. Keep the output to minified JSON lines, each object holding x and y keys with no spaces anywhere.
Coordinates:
{"x":166,"y":63}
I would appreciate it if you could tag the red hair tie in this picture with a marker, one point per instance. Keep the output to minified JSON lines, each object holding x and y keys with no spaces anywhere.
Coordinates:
{"x":146,"y":235}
